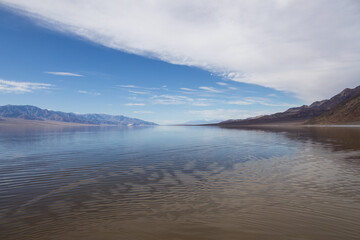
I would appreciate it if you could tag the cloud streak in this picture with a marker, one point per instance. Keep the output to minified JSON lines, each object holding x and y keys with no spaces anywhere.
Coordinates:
{"x":128,"y":86}
{"x":167,"y":99}
{"x":143,"y":112}
{"x":221,"y":83}
{"x":138,"y":92}
{"x":21,"y":87}
{"x":310,"y":48}
{"x":89,"y":93}
{"x":187,"y":89}
{"x":261,"y":101}
{"x":134,"y":104}
{"x":65,"y":74}
{"x":210,"y":89}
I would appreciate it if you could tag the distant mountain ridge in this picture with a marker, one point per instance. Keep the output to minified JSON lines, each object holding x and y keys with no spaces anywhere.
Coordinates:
{"x":305,"y":113}
{"x":29,"y":112}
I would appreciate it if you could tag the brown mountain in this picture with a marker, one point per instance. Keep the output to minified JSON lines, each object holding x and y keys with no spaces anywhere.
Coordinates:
{"x":300,"y":114}
{"x":346,"y":112}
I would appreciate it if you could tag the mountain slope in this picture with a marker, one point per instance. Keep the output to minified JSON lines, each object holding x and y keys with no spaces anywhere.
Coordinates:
{"x":298,"y":114}
{"x":346,"y":112}
{"x":28,"y":112}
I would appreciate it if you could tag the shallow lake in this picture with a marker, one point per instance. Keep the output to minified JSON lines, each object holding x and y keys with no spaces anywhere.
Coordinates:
{"x":180,"y":183}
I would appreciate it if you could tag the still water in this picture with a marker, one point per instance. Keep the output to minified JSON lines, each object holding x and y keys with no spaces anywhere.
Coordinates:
{"x":180,"y":183}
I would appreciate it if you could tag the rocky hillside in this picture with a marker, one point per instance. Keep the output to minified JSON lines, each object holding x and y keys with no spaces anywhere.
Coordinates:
{"x":346,"y":112}
{"x":34,"y":113}
{"x":299,"y":114}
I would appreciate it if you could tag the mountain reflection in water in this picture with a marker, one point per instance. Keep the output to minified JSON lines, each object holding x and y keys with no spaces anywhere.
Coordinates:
{"x":180,"y":183}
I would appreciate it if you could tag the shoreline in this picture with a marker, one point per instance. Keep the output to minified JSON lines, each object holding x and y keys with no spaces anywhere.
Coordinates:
{"x":18,"y":122}
{"x":272,"y":125}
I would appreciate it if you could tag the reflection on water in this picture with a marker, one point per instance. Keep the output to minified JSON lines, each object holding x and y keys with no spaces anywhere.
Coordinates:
{"x":180,"y":183}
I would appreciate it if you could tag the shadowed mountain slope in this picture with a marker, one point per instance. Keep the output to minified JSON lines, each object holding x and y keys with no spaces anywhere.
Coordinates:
{"x":306,"y":112}
{"x":346,"y":112}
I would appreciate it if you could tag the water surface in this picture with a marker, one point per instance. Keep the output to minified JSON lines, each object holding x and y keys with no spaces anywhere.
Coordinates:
{"x":180,"y":183}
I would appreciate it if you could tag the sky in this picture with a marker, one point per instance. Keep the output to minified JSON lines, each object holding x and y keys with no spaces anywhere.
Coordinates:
{"x":177,"y":61}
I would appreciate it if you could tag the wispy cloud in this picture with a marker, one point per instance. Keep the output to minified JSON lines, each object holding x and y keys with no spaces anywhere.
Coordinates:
{"x":258,"y":100}
{"x":128,"y":86}
{"x":143,"y":112}
{"x":200,"y":104}
{"x":65,"y":74}
{"x":240,"y":102}
{"x":89,"y":93}
{"x":171,"y":99}
{"x":221,"y":83}
{"x":210,"y":89}
{"x":21,"y":87}
{"x":187,"y":89}
{"x":167,"y":99}
{"x":138,"y":92}
{"x":134,"y":104}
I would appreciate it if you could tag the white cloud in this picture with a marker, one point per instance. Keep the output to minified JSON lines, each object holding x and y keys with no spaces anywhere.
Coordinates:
{"x":232,"y":88}
{"x":268,"y":102}
{"x":200,"y":104}
{"x":308,"y":47}
{"x":210,"y":89}
{"x":89,"y":93}
{"x":21,"y":87}
{"x":221,"y":83}
{"x":143,"y":112}
{"x":187,"y":89}
{"x":240,"y":102}
{"x":134,"y":104}
{"x":65,"y":74}
{"x":171,"y":99}
{"x":138,"y":92}
{"x":259,"y":100}
{"x":128,"y":86}
{"x":166,"y":99}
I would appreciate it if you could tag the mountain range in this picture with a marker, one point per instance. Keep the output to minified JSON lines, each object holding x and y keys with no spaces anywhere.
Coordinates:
{"x":28,"y":112}
{"x":343,"y":108}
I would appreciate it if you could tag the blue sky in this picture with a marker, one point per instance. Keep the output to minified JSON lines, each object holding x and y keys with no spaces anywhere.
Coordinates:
{"x":48,"y":64}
